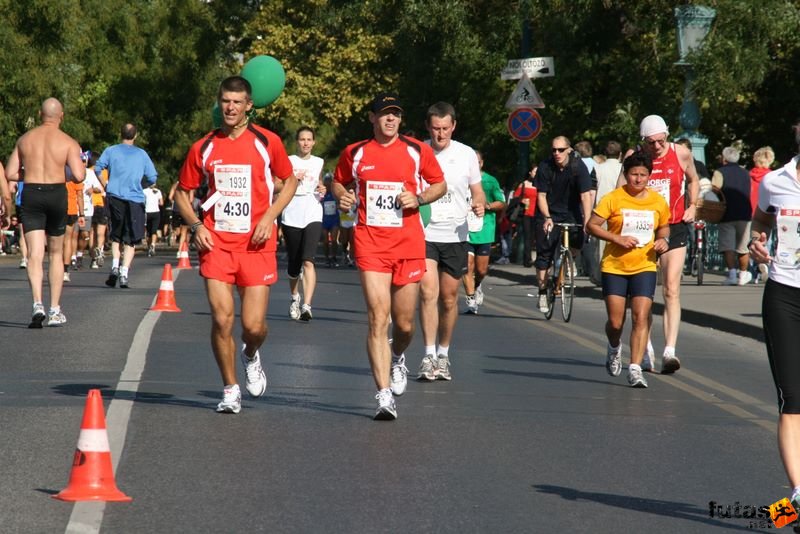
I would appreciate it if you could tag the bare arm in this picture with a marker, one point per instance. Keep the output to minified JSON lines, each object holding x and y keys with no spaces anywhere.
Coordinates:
{"x":759,"y":231}
{"x":587,"y":201}
{"x":544,"y":209}
{"x":478,"y":199}
{"x":692,"y":181}
{"x":12,"y":165}
{"x":75,"y":162}
{"x":263,"y":229}
{"x":5,"y":193}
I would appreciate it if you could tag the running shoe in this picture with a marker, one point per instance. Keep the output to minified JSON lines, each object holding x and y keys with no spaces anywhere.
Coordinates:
{"x":745,"y":277}
{"x":731,"y":279}
{"x":294,"y":308}
{"x":123,"y":281}
{"x":66,"y":277}
{"x":73,"y":264}
{"x":56,"y":318}
{"x":100,"y":257}
{"x":79,"y":262}
{"x":472,"y":305}
{"x":543,"y":305}
{"x":94,"y":265}
{"x":427,"y":369}
{"x":503,"y":261}
{"x":763,"y":271}
{"x":255,"y":378}
{"x":479,"y":296}
{"x":231,"y":400}
{"x":443,"y":367}
{"x":399,"y":377}
{"x":23,"y":263}
{"x":636,"y":379}
{"x":649,"y":358}
{"x":669,"y":364}
{"x":614,"y":360}
{"x":305,"y":314}
{"x":387,"y":411}
{"x":112,"y":277}
{"x":38,"y":316}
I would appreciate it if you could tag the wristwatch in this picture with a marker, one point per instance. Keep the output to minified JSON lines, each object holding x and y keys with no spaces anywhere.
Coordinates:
{"x":195,"y":226}
{"x":420,"y":201}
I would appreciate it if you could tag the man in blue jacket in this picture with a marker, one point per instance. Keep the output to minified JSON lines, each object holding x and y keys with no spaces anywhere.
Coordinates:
{"x":127,"y":165}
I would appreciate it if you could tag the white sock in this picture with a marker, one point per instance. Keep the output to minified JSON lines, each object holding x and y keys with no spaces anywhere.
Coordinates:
{"x":634,"y":367}
{"x":296,"y":296}
{"x":443,"y":351}
{"x":115,"y":263}
{"x":123,"y":271}
{"x":55,"y":309}
{"x":430,"y":349}
{"x":669,"y":351}
{"x":610,"y":347}
{"x":396,"y":358}
{"x":795,"y":493}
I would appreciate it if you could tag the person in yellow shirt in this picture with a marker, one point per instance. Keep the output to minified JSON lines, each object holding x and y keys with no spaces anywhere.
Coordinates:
{"x":637,"y":230}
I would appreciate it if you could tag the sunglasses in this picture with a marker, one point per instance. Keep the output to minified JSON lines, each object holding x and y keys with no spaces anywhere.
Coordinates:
{"x":560,"y":149}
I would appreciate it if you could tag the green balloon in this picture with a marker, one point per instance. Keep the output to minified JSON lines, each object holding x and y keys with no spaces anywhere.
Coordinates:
{"x":425,"y":213}
{"x":267,"y":79}
{"x":216,"y":115}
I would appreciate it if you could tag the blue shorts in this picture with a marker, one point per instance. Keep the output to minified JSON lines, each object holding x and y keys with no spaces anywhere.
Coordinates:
{"x":484,"y":249}
{"x":630,"y":285}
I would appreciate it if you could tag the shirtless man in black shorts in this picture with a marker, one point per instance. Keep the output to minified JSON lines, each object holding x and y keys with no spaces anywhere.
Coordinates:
{"x":45,"y":152}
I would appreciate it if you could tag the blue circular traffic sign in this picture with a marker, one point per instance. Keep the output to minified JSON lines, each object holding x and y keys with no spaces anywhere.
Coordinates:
{"x":524,"y":124}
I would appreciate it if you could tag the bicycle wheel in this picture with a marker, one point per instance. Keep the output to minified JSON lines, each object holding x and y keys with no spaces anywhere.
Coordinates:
{"x":551,"y":298}
{"x":567,"y":285}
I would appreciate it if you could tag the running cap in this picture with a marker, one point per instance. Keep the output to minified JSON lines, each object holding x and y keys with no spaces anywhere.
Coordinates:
{"x":386,"y":101}
{"x":652,"y":125}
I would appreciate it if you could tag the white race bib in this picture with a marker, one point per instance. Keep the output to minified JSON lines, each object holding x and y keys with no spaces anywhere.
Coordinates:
{"x":474,"y":223}
{"x":788,"y":253}
{"x":329,"y":207}
{"x":662,"y":188}
{"x":639,"y":224}
{"x":232,"y":209}
{"x":444,"y":209}
{"x":382,"y":206}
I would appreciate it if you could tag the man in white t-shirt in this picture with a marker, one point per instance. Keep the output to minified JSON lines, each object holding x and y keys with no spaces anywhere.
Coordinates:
{"x":153,"y":200}
{"x":91,"y":185}
{"x":446,"y":237}
{"x":301,"y":222}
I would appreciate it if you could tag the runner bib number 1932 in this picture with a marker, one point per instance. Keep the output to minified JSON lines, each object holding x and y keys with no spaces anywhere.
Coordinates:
{"x":382,"y":206}
{"x":639,"y":224}
{"x":788,"y":252}
{"x":232,"y":211}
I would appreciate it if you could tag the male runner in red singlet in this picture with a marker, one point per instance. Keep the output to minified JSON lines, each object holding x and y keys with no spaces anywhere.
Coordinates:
{"x":674,"y":176}
{"x":387,"y":172}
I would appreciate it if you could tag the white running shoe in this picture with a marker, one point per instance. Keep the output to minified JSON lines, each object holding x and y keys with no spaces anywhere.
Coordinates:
{"x":472,"y":305}
{"x":443,"y":367}
{"x":56,"y":318}
{"x":66,"y":277}
{"x":543,"y":304}
{"x":255,"y":378}
{"x":427,"y":369}
{"x":23,"y":263}
{"x":38,"y":316}
{"x":636,"y":379}
{"x":479,"y":296}
{"x":614,"y":360}
{"x":732,"y":278}
{"x":649,"y":358}
{"x":399,"y":378}
{"x":745,"y":277}
{"x":305,"y":313}
{"x":669,"y":364}
{"x":294,"y":308}
{"x":763,"y":272}
{"x":387,"y":411}
{"x":231,"y":400}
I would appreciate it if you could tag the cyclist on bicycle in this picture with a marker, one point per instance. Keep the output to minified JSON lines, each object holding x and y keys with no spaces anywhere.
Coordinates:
{"x":638,"y":229}
{"x":565,"y":194}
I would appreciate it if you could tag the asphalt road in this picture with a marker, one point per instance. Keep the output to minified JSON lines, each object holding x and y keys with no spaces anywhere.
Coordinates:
{"x":531,"y":435}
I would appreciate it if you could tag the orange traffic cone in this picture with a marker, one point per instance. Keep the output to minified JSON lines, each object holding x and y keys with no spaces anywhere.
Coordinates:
{"x":183,"y":257}
{"x":92,"y":477}
{"x":166,"y":293}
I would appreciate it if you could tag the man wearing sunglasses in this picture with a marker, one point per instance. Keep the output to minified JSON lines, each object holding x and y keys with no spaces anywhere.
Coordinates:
{"x":565,"y":196}
{"x":674,"y":175}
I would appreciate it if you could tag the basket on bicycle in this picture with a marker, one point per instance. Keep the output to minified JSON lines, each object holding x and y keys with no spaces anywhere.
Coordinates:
{"x":711,"y":211}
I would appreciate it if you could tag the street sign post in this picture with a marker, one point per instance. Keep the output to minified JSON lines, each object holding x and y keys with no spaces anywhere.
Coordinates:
{"x":534,"y":67}
{"x":524,"y":124}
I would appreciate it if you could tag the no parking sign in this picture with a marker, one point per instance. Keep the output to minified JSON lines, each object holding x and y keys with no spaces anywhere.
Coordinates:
{"x":524,"y":124}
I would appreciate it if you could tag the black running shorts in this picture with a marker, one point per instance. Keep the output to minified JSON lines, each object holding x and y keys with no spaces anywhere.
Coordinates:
{"x":45,"y":208}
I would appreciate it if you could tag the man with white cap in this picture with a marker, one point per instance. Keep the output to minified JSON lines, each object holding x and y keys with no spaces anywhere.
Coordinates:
{"x":674,"y":175}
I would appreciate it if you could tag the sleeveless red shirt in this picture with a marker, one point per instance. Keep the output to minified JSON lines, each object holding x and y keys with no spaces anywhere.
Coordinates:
{"x":669,"y":180}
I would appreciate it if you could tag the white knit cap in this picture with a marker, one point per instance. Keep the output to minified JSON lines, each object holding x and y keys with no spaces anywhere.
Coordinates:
{"x":652,"y":125}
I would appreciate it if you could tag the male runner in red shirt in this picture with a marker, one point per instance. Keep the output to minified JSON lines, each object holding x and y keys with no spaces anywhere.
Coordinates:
{"x":387,"y":172}
{"x":236,"y":238}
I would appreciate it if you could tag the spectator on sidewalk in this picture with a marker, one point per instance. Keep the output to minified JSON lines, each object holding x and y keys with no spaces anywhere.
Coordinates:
{"x":527,"y":192}
{"x":763,"y":158}
{"x":734,"y":229}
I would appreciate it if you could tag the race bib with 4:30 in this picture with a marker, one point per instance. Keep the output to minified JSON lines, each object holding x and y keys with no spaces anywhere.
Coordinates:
{"x":639,"y":224}
{"x":232,"y":210}
{"x":788,"y":252}
{"x":382,"y":206}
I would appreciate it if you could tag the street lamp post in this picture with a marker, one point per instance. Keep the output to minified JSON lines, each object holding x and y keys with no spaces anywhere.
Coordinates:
{"x":693,"y":23}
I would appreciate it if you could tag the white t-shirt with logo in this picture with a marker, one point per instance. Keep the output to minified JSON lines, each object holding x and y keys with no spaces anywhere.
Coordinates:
{"x":305,"y":207}
{"x":779,"y":194}
{"x":448,"y":222}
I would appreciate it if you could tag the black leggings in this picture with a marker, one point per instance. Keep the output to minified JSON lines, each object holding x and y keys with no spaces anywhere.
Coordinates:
{"x":781,"y":316}
{"x":301,"y":245}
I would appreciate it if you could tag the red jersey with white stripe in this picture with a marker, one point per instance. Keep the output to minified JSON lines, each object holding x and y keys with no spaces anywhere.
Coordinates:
{"x":379,"y":174}
{"x":240,"y":176}
{"x":669,"y":180}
